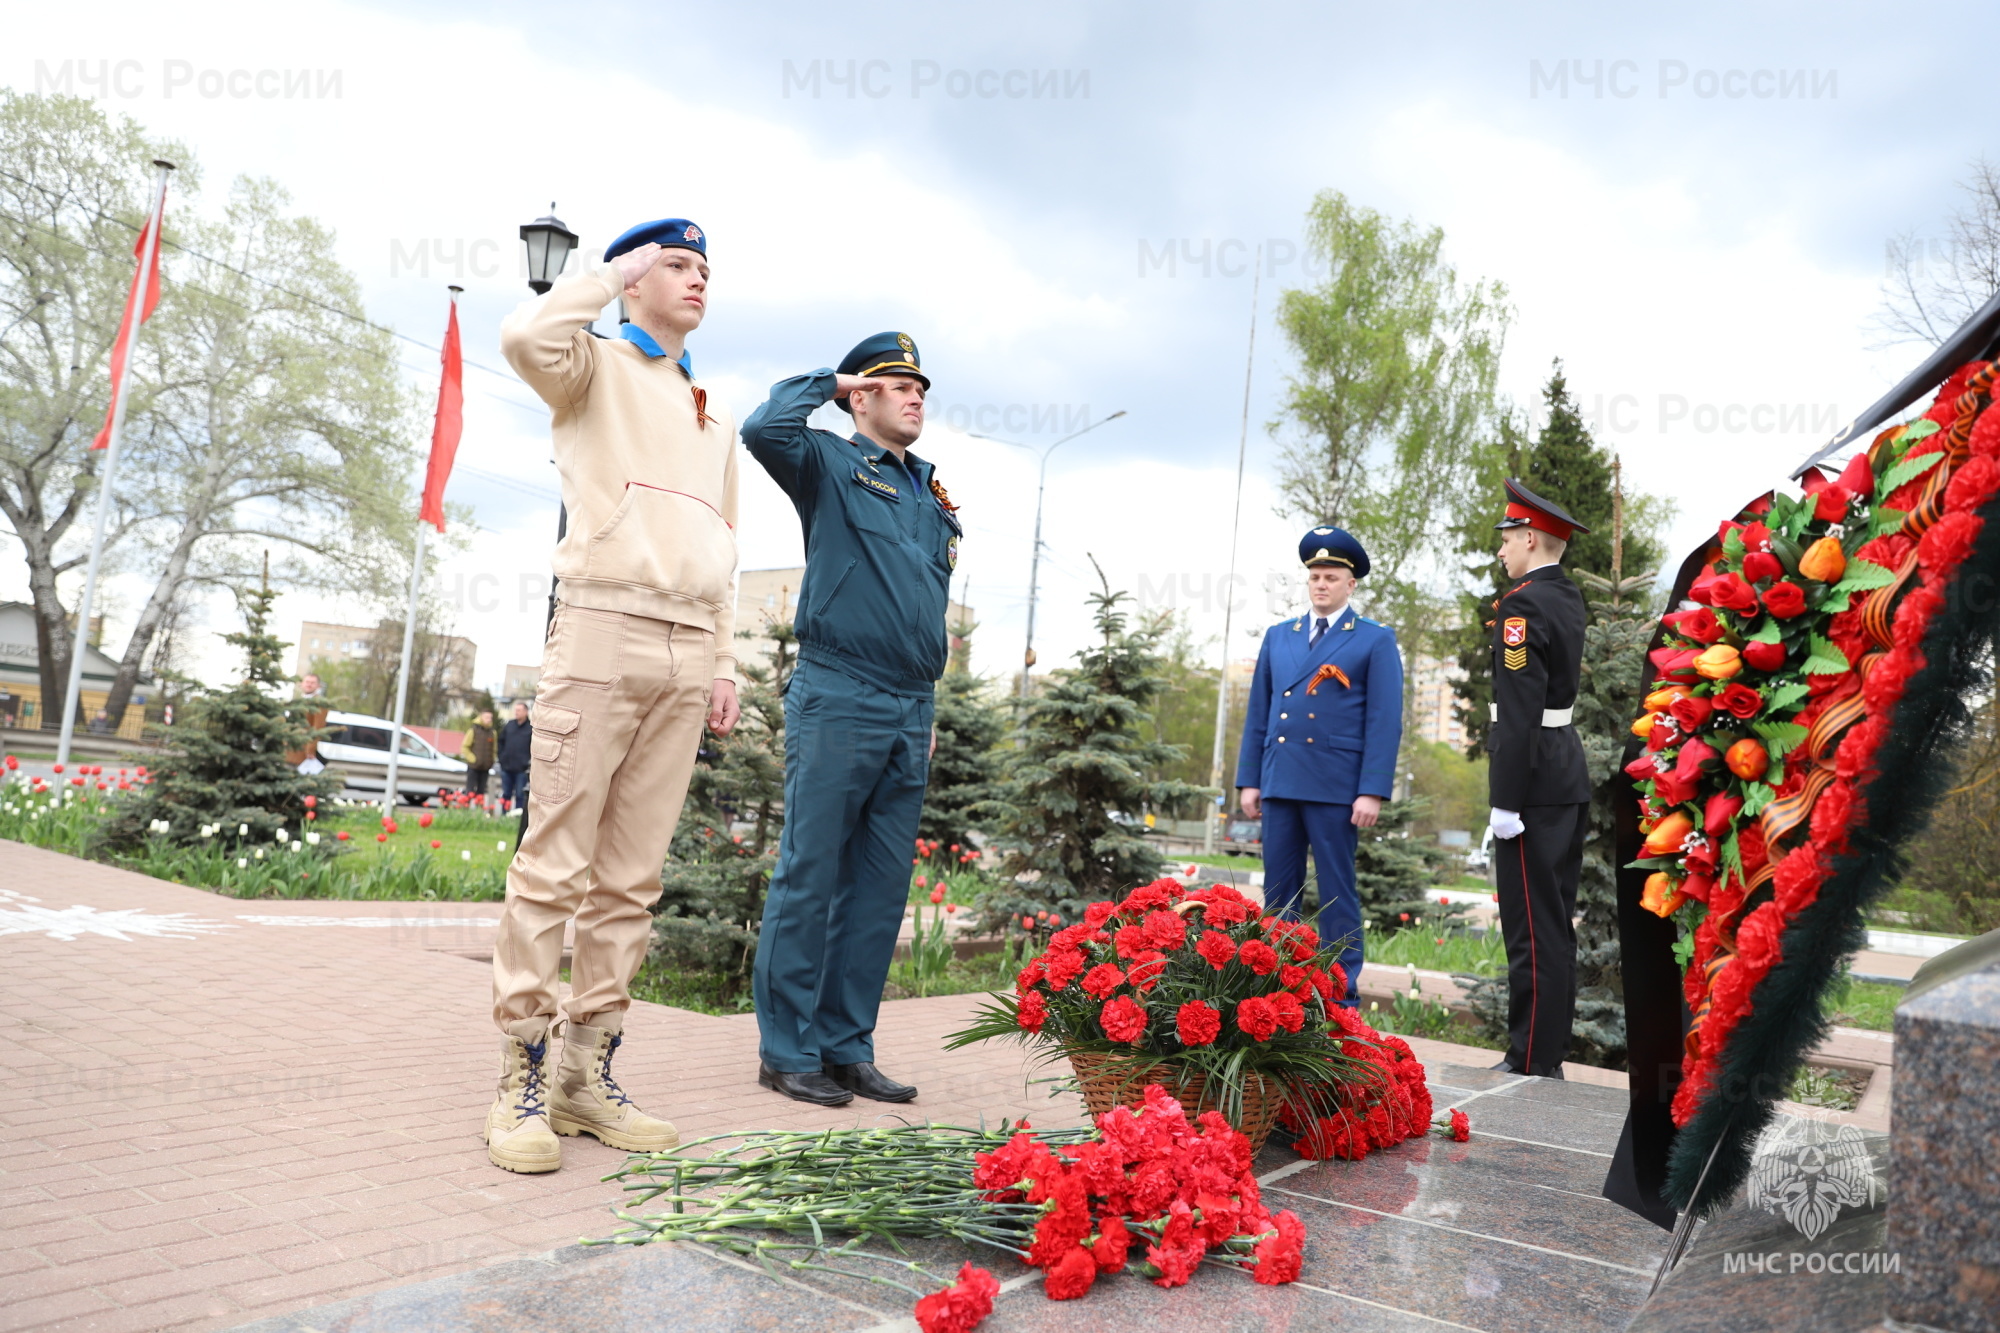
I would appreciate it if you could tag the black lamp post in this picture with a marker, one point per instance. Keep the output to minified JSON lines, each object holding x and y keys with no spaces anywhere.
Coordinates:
{"x":549,"y":243}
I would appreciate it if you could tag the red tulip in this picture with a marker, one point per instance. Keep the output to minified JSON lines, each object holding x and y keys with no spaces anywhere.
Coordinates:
{"x":341,"y":836}
{"x":59,"y":768}
{"x":435,"y":844}
{"x":1719,"y":813}
{"x":424,"y":819}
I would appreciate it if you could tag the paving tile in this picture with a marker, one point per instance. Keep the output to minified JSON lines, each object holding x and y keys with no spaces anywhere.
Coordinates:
{"x":61,"y":1308}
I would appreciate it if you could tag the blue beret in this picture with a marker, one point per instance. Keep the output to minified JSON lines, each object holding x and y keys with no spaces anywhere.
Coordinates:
{"x":1333,"y":546}
{"x":884,"y":354}
{"x":668,"y":233}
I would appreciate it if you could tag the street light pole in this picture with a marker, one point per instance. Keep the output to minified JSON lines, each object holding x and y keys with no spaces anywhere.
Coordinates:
{"x":1229,"y":595}
{"x":1035,"y":555}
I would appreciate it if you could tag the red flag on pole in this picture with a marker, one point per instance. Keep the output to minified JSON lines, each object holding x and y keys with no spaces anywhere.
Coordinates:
{"x":147,"y":275}
{"x":450,"y":421}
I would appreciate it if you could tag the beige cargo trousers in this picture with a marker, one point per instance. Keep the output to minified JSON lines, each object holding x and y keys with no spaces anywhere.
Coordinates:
{"x":618,"y":716}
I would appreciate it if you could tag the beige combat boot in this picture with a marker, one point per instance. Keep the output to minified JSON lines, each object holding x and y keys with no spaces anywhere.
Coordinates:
{"x":517,"y":1127}
{"x":587,"y":1100}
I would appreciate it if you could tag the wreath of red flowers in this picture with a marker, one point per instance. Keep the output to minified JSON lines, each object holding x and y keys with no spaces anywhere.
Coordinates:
{"x":1775,"y":685}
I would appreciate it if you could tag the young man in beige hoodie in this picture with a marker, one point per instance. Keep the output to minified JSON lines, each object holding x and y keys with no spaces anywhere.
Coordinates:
{"x":640,"y":656}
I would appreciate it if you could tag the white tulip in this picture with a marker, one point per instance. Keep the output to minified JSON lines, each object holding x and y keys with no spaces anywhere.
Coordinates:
{"x":242,"y":864}
{"x":500,"y":846}
{"x":242,"y":830}
{"x":313,"y":838}
{"x":465,"y":856}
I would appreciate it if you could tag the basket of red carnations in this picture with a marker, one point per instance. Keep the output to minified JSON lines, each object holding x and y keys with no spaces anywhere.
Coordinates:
{"x":1226,"y":1008}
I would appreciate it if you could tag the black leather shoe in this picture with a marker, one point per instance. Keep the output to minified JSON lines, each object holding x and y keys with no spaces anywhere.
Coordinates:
{"x":1505,"y":1068}
{"x":865,"y":1080}
{"x":815,"y":1088}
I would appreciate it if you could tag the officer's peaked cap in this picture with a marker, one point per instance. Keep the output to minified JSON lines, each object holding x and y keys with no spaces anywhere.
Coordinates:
{"x":1327,"y":545}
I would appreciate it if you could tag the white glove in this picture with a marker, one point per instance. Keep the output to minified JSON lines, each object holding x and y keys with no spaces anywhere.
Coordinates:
{"x":1506,"y":823}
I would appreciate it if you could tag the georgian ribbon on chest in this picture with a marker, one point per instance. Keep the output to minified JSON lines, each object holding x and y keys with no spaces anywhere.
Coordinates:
{"x":701,"y":416}
{"x":1328,"y":671}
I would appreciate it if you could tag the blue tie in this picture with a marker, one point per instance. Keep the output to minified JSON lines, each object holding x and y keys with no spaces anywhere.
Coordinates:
{"x":1319,"y":628}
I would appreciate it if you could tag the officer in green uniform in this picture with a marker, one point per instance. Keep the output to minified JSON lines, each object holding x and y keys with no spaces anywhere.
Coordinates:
{"x":881,"y":542}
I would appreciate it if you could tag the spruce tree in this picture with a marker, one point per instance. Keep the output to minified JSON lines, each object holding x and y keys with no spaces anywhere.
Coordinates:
{"x":970,"y":726}
{"x":1084,"y":754}
{"x":1394,"y":870}
{"x":1566,"y":466}
{"x":228,"y":764}
{"x":713,"y":884}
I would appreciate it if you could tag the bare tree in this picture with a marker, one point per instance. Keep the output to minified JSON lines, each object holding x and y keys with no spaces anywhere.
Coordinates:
{"x":1936,"y":283}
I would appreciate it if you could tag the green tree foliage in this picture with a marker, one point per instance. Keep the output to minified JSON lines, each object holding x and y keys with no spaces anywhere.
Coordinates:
{"x":228,"y":765}
{"x":1566,"y":466}
{"x":713,"y":884}
{"x":264,"y":412}
{"x":1952,"y":881}
{"x":970,"y":725}
{"x":1397,"y":360}
{"x":1087,"y":752}
{"x":1452,"y":783}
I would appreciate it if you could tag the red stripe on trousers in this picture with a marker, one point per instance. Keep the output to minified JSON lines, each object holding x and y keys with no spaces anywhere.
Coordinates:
{"x":1534,"y":969}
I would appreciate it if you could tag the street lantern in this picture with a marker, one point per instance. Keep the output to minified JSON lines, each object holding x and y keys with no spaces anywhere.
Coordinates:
{"x":549,"y":243}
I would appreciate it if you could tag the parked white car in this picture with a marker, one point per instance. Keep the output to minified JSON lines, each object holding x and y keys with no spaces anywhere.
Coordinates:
{"x":357,"y":747}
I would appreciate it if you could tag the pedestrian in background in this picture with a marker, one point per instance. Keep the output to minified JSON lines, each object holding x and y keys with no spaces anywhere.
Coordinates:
{"x":516,"y":750}
{"x":477,"y":752}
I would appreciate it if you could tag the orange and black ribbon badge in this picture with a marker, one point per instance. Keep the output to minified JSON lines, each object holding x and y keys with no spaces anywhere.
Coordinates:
{"x":943,"y":497}
{"x":1328,"y":671}
{"x":701,"y":416}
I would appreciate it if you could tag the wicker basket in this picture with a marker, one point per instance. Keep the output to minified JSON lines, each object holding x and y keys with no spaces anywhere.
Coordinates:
{"x":1115,"y":1080}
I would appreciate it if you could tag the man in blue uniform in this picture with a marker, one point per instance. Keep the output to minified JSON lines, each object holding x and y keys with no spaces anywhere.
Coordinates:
{"x":881,"y":542}
{"x":1320,"y":740}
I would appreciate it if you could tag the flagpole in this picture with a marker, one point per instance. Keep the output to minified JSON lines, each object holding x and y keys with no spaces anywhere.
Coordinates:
{"x":403,"y":676}
{"x":447,"y":425}
{"x":80,"y":640}
{"x":1229,"y":587}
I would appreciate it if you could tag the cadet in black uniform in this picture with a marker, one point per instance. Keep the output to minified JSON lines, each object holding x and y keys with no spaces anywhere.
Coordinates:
{"x":1538,"y":784}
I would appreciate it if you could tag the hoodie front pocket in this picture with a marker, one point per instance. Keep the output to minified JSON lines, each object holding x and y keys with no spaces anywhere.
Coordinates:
{"x":666,"y":540}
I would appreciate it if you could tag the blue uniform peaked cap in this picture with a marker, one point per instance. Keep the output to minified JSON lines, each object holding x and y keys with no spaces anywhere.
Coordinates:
{"x":1333,"y":546}
{"x":883,"y":354}
{"x":668,"y":233}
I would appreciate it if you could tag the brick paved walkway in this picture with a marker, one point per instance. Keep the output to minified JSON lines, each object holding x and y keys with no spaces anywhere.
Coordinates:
{"x":248,"y":1118}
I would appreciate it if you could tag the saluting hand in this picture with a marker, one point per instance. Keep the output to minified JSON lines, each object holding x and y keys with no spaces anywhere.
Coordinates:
{"x":636,"y":264}
{"x":844,"y":385}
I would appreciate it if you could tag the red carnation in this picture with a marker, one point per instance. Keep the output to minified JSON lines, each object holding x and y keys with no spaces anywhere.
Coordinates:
{"x":1071,"y":1276}
{"x":1146,"y":970}
{"x":1739,"y":700}
{"x":1095,"y":915}
{"x":1165,"y":931}
{"x":1291,"y":1015}
{"x":1764,"y":656}
{"x":1217,"y":948}
{"x":1973,"y":484}
{"x":1101,"y":980}
{"x":1256,"y":1018}
{"x":1949,"y":541}
{"x":1112,"y":1244}
{"x":1985,"y":439}
{"x":1280,"y":1257}
{"x":1461,"y":1126}
{"x":1063,"y":966}
{"x":1259,"y":957}
{"x":959,"y":1307}
{"x":1032,"y":1012}
{"x":1197,"y":1024}
{"x":1122,"y":1020}
{"x":1785,"y":600}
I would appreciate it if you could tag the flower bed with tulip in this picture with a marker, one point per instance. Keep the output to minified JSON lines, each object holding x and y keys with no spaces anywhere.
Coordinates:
{"x":1804,"y":703}
{"x":1198,"y":991}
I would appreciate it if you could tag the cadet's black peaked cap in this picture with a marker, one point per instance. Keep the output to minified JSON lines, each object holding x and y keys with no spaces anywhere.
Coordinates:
{"x":1525,"y":509}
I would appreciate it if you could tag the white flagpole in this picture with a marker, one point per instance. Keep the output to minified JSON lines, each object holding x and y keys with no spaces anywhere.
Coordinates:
{"x":1229,"y":588}
{"x":80,"y":640}
{"x":403,"y":675}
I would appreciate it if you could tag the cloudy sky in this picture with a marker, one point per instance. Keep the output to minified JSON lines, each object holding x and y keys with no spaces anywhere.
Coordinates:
{"x":1690,"y":209}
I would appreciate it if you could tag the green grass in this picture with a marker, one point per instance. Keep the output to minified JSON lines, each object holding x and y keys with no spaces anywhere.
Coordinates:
{"x":1452,"y":951}
{"x":1219,"y":862}
{"x":1866,"y":1004}
{"x":468,"y":865}
{"x":1430,"y":1019}
{"x":1836,"y":1089}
